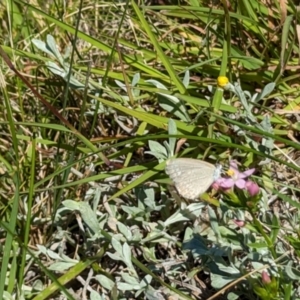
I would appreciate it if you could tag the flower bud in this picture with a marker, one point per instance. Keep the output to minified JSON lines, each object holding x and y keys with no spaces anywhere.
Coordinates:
{"x":222,"y":81}
{"x":252,"y":188}
{"x":265,"y":277}
{"x":239,"y":223}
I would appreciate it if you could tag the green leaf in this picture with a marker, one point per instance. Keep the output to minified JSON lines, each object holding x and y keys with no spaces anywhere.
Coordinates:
{"x":275,"y":228}
{"x":105,"y":282}
{"x":89,"y":216}
{"x":117,"y":246}
{"x":125,"y":231}
{"x":172,"y":130}
{"x":164,"y":59}
{"x":170,"y":103}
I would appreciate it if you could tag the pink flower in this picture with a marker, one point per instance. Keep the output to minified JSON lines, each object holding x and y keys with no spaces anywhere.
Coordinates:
{"x":239,"y":223}
{"x":236,"y":178}
{"x":252,"y":188}
{"x":265,"y":277}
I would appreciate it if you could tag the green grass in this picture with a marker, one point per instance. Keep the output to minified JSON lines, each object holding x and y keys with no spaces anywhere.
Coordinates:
{"x":96,"y":97}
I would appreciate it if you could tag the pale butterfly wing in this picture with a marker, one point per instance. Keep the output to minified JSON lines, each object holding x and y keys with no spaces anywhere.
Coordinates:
{"x":192,"y":177}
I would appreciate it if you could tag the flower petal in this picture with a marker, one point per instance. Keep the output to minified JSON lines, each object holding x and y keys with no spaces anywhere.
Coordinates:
{"x":233,"y":165}
{"x":226,"y":183}
{"x":240,"y":183}
{"x":249,"y":172}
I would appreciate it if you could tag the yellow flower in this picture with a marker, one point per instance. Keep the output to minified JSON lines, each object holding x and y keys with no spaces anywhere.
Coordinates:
{"x":222,"y":81}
